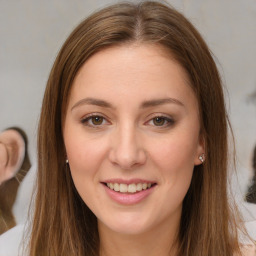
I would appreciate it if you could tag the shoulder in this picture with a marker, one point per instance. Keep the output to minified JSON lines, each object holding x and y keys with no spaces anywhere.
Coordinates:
{"x":11,"y":241}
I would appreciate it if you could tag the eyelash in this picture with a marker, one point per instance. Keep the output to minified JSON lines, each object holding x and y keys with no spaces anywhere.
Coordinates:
{"x":88,"y":118}
{"x":87,"y":121}
{"x":167,"y":121}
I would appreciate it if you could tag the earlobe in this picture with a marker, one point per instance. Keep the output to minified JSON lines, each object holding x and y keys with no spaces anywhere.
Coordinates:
{"x":199,"y":159}
{"x":200,"y":155}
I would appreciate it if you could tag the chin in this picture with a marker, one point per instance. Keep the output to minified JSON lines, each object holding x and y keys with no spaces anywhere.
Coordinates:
{"x":127,"y":225}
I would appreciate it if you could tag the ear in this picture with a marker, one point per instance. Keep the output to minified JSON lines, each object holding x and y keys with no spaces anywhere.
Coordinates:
{"x":200,"y":152}
{"x":12,"y":153}
{"x":3,"y":162}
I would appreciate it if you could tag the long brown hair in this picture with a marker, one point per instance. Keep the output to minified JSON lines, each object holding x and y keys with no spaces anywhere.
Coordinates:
{"x":63,"y":225}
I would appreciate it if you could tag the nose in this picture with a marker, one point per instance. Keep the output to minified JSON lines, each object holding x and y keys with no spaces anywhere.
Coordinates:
{"x":126,"y":148}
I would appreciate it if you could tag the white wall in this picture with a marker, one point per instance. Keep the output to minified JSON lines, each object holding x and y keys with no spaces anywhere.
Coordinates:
{"x":31,"y":33}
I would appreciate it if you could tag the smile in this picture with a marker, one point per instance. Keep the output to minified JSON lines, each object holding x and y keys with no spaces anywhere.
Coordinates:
{"x":128,"y":192}
{"x":129,"y":188}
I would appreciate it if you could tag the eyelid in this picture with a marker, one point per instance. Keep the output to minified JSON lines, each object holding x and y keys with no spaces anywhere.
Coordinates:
{"x":170,"y":120}
{"x":85,"y":119}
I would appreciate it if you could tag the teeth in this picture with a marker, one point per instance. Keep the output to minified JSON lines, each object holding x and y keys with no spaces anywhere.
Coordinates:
{"x":123,"y":188}
{"x":139,"y":187}
{"x":116,"y":187}
{"x":131,"y":188}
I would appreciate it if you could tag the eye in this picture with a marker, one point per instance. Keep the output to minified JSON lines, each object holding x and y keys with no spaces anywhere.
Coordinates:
{"x":97,"y":120}
{"x":161,"y":121}
{"x":94,"y":120}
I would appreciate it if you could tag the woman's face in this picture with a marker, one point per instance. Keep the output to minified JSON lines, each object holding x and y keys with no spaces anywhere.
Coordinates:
{"x":132,"y":137}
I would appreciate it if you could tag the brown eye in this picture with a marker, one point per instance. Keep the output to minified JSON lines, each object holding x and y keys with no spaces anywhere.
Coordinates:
{"x":94,"y":121}
{"x":97,"y":120}
{"x":159,"y":121}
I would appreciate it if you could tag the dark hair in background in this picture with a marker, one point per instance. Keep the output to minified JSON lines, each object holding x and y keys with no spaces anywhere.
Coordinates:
{"x":251,"y":194}
{"x":63,"y":224}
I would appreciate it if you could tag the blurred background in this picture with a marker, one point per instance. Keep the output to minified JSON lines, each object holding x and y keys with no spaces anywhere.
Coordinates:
{"x":32,"y":32}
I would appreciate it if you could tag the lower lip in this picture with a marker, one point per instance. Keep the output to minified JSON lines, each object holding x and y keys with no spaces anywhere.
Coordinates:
{"x":128,"y":198}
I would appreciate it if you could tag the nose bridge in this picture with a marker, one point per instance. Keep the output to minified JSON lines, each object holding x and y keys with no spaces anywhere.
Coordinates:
{"x":127,"y":149}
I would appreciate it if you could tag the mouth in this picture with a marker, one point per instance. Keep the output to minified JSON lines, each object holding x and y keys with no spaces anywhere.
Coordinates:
{"x":129,"y":192}
{"x":129,"y":188}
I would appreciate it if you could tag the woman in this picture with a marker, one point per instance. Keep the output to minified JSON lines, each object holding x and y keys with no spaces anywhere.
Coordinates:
{"x":132,"y":143}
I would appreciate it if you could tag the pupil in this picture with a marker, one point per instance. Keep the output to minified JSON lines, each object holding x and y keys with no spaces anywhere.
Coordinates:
{"x":97,"y":120}
{"x":159,"y":121}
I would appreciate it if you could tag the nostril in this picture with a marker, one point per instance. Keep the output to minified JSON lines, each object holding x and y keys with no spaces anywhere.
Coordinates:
{"x":127,"y":155}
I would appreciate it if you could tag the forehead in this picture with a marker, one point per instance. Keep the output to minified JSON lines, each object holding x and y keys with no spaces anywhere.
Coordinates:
{"x":131,"y":72}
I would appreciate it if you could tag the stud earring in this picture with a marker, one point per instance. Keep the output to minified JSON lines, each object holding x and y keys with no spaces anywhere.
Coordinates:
{"x":201,"y":158}
{"x":66,"y":161}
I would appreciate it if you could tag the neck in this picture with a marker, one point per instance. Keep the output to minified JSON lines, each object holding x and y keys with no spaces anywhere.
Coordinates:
{"x":160,"y":241}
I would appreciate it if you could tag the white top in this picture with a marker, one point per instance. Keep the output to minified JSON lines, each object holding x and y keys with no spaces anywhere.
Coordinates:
{"x":11,"y":241}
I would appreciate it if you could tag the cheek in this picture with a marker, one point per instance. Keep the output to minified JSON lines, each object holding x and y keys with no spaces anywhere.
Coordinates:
{"x":83,"y":151}
{"x":84,"y":155}
{"x":174,"y":152}
{"x":174,"y":157}
{"x":84,"y":161}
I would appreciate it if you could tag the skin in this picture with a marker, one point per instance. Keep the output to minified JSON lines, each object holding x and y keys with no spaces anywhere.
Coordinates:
{"x":3,"y":161}
{"x":12,"y":146}
{"x":127,"y":143}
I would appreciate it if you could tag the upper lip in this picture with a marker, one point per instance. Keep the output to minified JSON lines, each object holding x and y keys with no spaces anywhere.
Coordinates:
{"x":128,"y":181}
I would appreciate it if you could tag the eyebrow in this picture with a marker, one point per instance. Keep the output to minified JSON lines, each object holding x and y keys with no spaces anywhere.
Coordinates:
{"x":92,"y":101}
{"x":145,"y":104}
{"x":157,"y":102}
